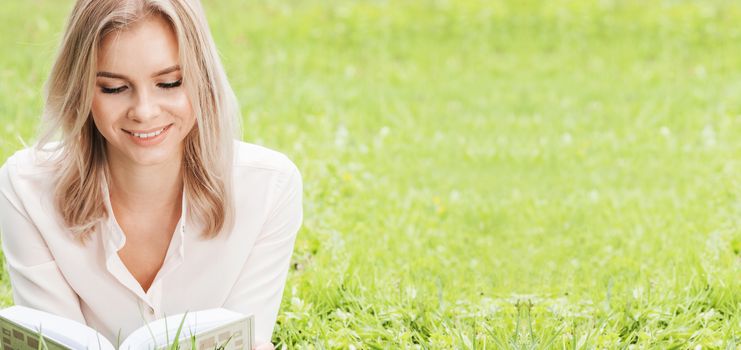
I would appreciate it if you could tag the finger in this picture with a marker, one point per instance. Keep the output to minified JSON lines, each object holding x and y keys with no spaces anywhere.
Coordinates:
{"x":264,"y":346}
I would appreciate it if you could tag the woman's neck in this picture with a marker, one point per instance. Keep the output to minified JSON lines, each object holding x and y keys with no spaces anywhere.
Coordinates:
{"x":146,"y":189}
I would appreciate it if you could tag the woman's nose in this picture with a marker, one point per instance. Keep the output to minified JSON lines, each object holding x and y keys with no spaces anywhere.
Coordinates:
{"x":145,"y":107}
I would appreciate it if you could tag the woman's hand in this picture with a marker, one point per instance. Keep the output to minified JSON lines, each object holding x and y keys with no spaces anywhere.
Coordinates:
{"x":263,"y":346}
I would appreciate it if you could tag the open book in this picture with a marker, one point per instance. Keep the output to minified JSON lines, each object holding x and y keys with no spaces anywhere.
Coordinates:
{"x":207,"y":329}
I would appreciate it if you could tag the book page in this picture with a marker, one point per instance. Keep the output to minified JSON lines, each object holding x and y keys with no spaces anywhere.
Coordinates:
{"x":67,"y":332}
{"x":214,"y":326}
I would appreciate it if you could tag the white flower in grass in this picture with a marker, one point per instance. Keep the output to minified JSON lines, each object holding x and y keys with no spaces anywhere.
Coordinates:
{"x":566,"y":138}
{"x":455,"y":196}
{"x":708,"y":135}
{"x":700,"y":71}
{"x":487,"y":306}
{"x":412,"y":292}
{"x":593,"y":196}
{"x":664,"y":131}
{"x":342,"y":315}
{"x":384,"y":132}
{"x":473,"y":263}
{"x":708,"y":315}
{"x":340,"y":136}
{"x":350,"y":71}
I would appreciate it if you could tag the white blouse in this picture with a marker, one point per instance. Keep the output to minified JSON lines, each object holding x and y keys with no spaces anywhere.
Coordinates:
{"x":244,"y":270}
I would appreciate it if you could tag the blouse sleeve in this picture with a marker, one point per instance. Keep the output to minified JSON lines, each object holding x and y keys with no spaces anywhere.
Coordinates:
{"x":34,"y":275}
{"x":259,"y":288}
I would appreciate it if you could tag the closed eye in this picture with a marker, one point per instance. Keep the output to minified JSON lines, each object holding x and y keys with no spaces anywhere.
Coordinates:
{"x":174,"y":84}
{"x":120,"y":89}
{"x":106,"y":90}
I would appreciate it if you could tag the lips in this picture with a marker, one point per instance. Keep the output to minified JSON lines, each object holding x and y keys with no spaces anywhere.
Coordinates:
{"x":147,"y":134}
{"x":149,"y":137}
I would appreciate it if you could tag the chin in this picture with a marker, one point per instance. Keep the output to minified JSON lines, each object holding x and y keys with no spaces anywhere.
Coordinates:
{"x":148,"y":158}
{"x":129,"y":155}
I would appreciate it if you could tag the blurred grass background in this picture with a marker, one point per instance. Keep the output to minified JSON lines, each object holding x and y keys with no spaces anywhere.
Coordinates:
{"x":481,"y":174}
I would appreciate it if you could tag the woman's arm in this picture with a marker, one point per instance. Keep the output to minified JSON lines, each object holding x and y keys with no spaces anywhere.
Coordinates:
{"x":34,"y":275}
{"x":259,"y":288}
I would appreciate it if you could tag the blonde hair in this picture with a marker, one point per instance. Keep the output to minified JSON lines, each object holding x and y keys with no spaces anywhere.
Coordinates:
{"x":80,"y":156}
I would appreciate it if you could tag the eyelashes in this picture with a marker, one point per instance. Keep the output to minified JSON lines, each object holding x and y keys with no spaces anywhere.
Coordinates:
{"x":106,"y":90}
{"x":123,"y":88}
{"x":174,"y":84}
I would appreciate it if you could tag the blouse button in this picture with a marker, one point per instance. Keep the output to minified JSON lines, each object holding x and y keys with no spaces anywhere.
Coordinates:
{"x":151,"y":310}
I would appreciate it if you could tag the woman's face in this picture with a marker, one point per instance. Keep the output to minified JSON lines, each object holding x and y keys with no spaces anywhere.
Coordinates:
{"x":140,"y":105}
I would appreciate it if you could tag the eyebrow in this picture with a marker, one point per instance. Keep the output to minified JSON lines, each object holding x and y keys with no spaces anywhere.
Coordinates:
{"x":123,"y":77}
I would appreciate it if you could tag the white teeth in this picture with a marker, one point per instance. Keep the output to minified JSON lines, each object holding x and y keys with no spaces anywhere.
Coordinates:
{"x":147,"y":135}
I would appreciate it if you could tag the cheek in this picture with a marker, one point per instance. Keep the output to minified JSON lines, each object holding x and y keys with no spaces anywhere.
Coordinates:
{"x":105,"y":111}
{"x":181,"y":108}
{"x":100,"y":115}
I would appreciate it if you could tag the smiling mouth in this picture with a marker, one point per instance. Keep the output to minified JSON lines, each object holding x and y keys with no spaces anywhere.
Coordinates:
{"x":148,"y":134}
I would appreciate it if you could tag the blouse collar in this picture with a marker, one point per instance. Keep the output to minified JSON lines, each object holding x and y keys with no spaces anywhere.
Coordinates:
{"x":115,"y":238}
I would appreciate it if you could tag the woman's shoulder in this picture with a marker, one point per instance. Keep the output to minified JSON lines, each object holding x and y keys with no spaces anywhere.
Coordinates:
{"x":251,"y":156}
{"x":32,"y":160}
{"x":29,"y":172}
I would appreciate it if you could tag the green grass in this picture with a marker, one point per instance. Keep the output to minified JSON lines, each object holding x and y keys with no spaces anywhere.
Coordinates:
{"x":481,"y":174}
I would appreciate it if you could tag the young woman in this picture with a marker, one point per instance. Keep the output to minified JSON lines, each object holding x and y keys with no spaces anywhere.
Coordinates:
{"x":146,"y":206}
